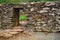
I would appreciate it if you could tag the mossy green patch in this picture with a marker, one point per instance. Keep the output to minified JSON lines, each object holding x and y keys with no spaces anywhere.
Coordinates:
{"x":22,"y":18}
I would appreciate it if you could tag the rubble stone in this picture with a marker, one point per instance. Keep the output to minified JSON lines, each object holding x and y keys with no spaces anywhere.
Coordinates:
{"x":43,"y":15}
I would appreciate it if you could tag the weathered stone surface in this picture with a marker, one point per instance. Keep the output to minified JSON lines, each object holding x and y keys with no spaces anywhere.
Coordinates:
{"x":10,"y":32}
{"x":38,"y":14}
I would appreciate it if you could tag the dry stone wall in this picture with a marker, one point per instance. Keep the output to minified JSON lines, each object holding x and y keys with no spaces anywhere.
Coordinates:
{"x":44,"y":16}
{"x":6,"y":16}
{"x":0,"y":15}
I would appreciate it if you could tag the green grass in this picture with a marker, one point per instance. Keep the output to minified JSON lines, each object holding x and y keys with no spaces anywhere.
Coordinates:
{"x":22,"y":18}
{"x":19,"y":1}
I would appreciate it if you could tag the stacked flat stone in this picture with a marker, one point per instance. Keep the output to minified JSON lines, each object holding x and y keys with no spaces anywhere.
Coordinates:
{"x":48,"y":17}
{"x":6,"y":16}
{"x":0,"y":16}
{"x":51,"y":20}
{"x":11,"y":32}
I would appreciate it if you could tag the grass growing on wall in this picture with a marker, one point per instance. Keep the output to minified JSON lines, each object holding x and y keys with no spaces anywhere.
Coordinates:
{"x":19,"y":1}
{"x":13,"y":1}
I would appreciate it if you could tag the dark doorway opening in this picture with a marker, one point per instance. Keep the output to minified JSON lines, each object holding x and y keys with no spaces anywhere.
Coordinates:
{"x":16,"y":15}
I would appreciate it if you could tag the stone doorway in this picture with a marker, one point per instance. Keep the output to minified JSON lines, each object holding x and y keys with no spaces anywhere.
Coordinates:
{"x":16,"y":15}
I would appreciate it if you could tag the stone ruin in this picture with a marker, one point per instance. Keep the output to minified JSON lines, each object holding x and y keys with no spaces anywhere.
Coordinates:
{"x":43,"y":16}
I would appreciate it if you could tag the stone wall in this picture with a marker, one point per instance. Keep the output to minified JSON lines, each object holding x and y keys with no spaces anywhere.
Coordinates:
{"x":0,"y":15}
{"x":44,"y":16}
{"x":6,"y":16}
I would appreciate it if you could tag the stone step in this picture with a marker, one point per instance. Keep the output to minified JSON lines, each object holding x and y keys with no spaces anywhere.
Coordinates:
{"x":10,"y":32}
{"x":7,"y":35}
{"x":16,"y":30}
